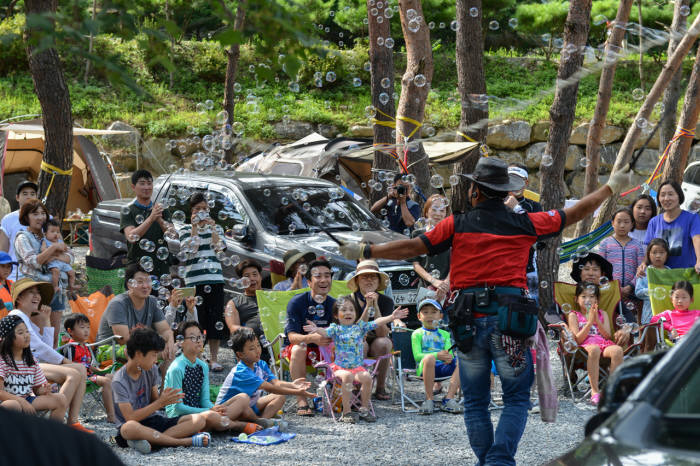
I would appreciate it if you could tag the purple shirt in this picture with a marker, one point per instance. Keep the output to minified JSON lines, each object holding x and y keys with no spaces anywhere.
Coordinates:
{"x":679,"y":236}
{"x":624,"y":259}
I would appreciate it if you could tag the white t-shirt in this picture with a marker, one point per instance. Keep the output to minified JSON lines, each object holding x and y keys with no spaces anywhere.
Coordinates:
{"x":10,"y":226}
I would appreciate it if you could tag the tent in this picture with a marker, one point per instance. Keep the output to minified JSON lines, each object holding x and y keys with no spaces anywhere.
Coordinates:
{"x":351,"y":158}
{"x":22,"y":150}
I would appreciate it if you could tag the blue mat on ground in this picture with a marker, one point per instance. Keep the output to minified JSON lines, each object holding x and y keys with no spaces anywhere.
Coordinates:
{"x":269,"y":436}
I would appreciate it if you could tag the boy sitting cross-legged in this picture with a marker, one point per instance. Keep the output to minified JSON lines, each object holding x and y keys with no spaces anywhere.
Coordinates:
{"x":136,"y":400}
{"x":252,"y":376}
{"x":431,"y":351}
{"x":191,"y":375}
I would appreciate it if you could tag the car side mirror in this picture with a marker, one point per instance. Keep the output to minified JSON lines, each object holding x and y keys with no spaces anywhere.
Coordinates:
{"x":242,"y":233}
{"x":620,"y":385}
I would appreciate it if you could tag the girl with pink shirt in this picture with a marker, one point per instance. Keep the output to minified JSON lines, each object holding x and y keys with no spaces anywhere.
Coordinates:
{"x":680,"y":320}
{"x":592,"y":331}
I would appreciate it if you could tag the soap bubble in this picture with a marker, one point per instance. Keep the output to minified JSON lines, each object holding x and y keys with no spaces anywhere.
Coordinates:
{"x":293,"y":86}
{"x":222,"y":117}
{"x":201,"y":108}
{"x":146,"y":263}
{"x":411,"y":14}
{"x":413,"y":25}
{"x":544,"y":285}
{"x":659,"y":293}
{"x":139,"y":219}
{"x":178,"y":216}
{"x":547,"y":160}
{"x":162,"y":253}
{"x":119,"y":245}
{"x":638,"y":94}
{"x":684,"y":10}
{"x":385,"y":83}
{"x":389,"y":43}
{"x":454,"y":25}
{"x":454,"y":180}
{"x":436,"y":181}
{"x":513,"y":22}
{"x":330,"y":76}
{"x":380,"y":41}
{"x":383,"y":98}
{"x":403,"y":279}
{"x":641,"y":123}
{"x":219,"y":325}
{"x":493,"y":25}
{"x":473,"y":12}
{"x":599,"y":19}
{"x":420,"y":80}
{"x":357,"y":82}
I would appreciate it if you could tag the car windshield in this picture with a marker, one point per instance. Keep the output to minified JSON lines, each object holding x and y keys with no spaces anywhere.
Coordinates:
{"x":285,"y":210}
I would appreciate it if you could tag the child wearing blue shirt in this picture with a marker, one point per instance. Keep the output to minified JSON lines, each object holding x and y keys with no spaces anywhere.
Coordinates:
{"x":431,"y":351}
{"x":251,"y":377}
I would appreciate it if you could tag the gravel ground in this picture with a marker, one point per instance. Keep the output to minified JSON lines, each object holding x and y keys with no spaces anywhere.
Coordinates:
{"x":396,"y":437}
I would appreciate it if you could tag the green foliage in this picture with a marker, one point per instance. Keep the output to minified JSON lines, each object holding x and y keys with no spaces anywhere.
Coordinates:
{"x":14,"y":55}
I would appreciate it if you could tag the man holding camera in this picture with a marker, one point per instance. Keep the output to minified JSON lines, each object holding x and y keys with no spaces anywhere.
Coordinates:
{"x":401,"y":211}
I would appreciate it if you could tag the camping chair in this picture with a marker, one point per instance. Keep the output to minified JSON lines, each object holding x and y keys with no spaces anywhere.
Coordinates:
{"x":660,"y":283}
{"x":272,"y":307}
{"x":330,"y":386}
{"x":572,"y":356}
{"x":404,"y":368}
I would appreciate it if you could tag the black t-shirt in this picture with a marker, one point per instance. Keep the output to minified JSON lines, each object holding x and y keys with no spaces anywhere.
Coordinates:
{"x":248,"y":312}
{"x":154,"y":233}
{"x":440,"y":261}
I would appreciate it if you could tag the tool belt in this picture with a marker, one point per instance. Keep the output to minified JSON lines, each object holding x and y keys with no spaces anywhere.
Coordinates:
{"x":517,"y":313}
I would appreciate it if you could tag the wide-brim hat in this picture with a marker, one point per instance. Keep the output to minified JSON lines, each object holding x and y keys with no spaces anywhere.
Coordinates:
{"x":45,"y":289}
{"x":366,"y":267}
{"x":293,"y":255}
{"x":605,"y":267}
{"x":492,"y":173}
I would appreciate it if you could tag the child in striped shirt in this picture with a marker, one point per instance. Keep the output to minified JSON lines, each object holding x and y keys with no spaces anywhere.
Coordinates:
{"x":203,"y":271}
{"x":625,"y":254}
{"x":21,"y":378}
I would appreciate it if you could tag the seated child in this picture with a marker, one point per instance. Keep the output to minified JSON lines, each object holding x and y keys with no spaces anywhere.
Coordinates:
{"x":190,"y":374}
{"x":431,"y":351}
{"x":680,"y":320}
{"x":5,"y":283}
{"x":21,"y":379}
{"x":251,"y":376}
{"x":78,"y":327}
{"x":136,"y":401}
{"x":57,"y":266}
{"x":348,"y":333}
{"x":593,"y":333}
{"x":656,"y":256}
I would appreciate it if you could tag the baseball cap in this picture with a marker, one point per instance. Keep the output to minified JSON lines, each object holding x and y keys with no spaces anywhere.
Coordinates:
{"x":430,"y":301}
{"x":5,"y":258}
{"x":27,"y":184}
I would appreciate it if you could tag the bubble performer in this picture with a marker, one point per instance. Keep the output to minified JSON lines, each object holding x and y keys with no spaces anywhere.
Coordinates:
{"x":490,"y":249}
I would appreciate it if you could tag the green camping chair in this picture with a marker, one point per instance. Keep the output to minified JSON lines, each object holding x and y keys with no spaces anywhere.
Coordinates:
{"x":660,"y":283}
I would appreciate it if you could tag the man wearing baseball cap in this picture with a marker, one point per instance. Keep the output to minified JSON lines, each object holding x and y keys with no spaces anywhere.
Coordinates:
{"x":490,"y":248}
{"x":10,"y":226}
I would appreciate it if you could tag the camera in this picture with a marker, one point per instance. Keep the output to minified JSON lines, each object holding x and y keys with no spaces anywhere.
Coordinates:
{"x":401,"y":190}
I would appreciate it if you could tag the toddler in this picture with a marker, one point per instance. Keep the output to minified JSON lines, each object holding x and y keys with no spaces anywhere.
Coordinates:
{"x":656,"y":255}
{"x":348,"y":334}
{"x":57,"y":265}
{"x":78,"y":327}
{"x":21,"y":378}
{"x":679,"y":320}
{"x":431,"y":351}
{"x":592,"y":332}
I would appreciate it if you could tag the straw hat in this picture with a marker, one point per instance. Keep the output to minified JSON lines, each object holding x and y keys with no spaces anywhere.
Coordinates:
{"x":293,"y":255}
{"x":45,"y":289}
{"x":365,"y":267}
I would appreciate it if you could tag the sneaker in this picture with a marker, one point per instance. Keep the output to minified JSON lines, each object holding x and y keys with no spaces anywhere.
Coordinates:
{"x":595,"y":399}
{"x":366,"y":415}
{"x":82,"y":428}
{"x":427,"y":407}
{"x":142,"y":446}
{"x":347,"y":418}
{"x":451,"y":406}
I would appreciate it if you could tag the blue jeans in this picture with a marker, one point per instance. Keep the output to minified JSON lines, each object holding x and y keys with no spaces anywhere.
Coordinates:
{"x":474,"y":370}
{"x":58,"y":303}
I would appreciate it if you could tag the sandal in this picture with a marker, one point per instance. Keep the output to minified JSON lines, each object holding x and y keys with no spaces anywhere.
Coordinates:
{"x":198,"y":440}
{"x":381,"y":395}
{"x":251,"y":428}
{"x":304,"y":410}
{"x":216,"y":367}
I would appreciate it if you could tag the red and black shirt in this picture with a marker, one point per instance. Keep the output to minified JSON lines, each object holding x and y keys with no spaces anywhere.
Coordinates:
{"x":490,"y":245}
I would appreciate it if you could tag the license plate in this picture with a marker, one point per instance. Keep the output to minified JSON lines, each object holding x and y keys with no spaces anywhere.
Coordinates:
{"x":405,"y":297}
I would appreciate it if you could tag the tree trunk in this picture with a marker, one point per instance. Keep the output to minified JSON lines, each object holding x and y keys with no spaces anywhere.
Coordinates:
{"x":414,"y":93}
{"x":90,"y":43}
{"x":54,"y":99}
{"x":595,"y":130}
{"x":171,"y":75}
{"x":232,"y":56}
{"x":641,"y":47}
{"x":625,"y":154}
{"x":473,"y":120}
{"x":673,"y":91}
{"x":381,"y":59}
{"x":678,"y":155}
{"x":561,"y":117}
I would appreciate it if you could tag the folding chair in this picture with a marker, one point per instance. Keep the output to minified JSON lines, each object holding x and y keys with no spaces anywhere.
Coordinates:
{"x":404,"y":368}
{"x":330,"y":386}
{"x":660,"y":283}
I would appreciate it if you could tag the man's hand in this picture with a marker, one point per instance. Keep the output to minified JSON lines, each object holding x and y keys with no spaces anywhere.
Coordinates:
{"x":511,"y":202}
{"x":156,"y":212}
{"x":355,"y":251}
{"x":620,"y":179}
{"x":190,"y":303}
{"x":170,"y":396}
{"x":310,"y":327}
{"x":176,"y":297}
{"x":622,"y":337}
{"x":169,"y":351}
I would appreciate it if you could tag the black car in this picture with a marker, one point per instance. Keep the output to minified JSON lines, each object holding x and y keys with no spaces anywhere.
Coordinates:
{"x":649,"y":412}
{"x":263,"y":216}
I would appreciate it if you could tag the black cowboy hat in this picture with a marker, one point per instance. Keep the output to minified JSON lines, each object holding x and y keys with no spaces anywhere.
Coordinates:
{"x":605,"y":267}
{"x":492,"y":173}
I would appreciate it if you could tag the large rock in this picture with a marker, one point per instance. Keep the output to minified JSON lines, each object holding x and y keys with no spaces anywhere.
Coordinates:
{"x":327,"y":131}
{"x":130,"y":140}
{"x":293,"y":129}
{"x":157,"y":159}
{"x":361,"y":131}
{"x":574,"y":155}
{"x":575,"y":181}
{"x":647,"y":162}
{"x":540,"y":131}
{"x":509,"y":135}
{"x":608,"y":155}
{"x":610,"y":134}
{"x":510,"y":156}
{"x":653,"y":143}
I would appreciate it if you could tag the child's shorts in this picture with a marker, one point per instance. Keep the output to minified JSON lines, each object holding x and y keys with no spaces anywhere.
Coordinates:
{"x":154,"y":421}
{"x":30,"y":398}
{"x":286,"y":353}
{"x":445,"y":370}
{"x":354,"y":370}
